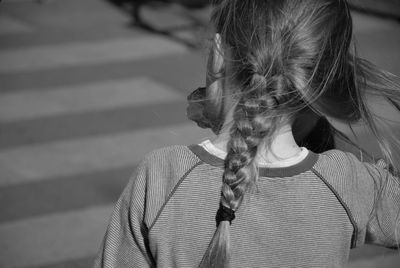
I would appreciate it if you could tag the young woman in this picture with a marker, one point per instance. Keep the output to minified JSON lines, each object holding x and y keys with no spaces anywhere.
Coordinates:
{"x":253,"y":197}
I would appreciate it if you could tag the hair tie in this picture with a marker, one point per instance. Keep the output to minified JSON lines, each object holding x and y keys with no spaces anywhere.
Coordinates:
{"x":224,"y":214}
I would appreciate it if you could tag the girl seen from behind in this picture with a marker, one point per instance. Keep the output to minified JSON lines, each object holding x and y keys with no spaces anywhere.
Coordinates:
{"x":252,"y":197}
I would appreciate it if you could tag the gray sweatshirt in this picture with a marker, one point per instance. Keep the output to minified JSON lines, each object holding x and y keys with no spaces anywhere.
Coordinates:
{"x":307,"y":215}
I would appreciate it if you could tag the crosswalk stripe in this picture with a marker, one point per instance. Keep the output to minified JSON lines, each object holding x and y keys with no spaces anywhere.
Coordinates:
{"x":182,"y":75}
{"x":86,"y":53}
{"x":29,"y":200}
{"x":88,"y":97}
{"x":53,"y":238}
{"x":91,"y":123}
{"x":49,"y":160}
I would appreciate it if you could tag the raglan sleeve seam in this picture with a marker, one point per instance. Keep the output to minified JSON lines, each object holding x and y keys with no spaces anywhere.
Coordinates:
{"x":171,"y":193}
{"x":344,"y":204}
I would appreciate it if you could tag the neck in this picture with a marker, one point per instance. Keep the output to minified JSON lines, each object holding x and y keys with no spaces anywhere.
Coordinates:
{"x":281,"y":147}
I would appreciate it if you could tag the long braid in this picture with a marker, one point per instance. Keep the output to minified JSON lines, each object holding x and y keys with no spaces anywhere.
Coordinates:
{"x":271,"y":60}
{"x":254,"y":121}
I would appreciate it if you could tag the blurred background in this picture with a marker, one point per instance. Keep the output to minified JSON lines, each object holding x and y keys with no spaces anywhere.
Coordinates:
{"x":87,"y":88}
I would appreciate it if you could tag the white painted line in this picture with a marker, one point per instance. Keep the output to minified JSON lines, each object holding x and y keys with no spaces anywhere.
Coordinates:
{"x":51,"y":160}
{"x":81,"y":98}
{"x":53,"y":238}
{"x":86,"y":53}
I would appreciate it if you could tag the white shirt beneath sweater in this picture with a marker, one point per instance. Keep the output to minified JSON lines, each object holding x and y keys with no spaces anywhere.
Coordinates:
{"x":212,"y":149}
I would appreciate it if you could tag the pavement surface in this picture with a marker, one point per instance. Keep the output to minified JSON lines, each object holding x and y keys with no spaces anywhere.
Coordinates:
{"x":84,"y":95}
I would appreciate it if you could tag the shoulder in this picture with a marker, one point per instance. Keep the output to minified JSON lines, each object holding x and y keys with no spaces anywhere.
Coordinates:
{"x":161,"y":169}
{"x":353,"y":183}
{"x":347,"y":171}
{"x":173,"y":150}
{"x":337,"y":157}
{"x":161,"y":172}
{"x":176,"y":156}
{"x":346,"y":164}
{"x":335,"y":163}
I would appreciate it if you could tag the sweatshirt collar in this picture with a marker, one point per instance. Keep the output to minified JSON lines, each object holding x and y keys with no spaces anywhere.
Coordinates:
{"x":305,"y":165}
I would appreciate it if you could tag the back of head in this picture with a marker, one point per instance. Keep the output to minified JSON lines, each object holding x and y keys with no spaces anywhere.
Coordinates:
{"x":297,"y":51}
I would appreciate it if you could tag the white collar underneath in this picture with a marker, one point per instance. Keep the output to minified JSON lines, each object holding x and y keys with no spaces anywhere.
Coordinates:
{"x":212,"y":149}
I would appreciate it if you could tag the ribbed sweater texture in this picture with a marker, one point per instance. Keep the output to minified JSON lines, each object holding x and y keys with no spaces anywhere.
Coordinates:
{"x":307,"y":215}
